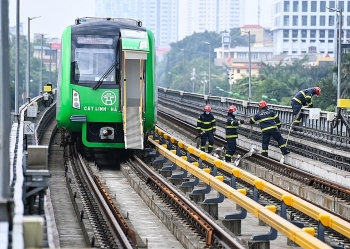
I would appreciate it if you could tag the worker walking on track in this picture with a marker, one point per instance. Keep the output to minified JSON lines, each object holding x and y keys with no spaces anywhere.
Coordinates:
{"x":270,"y":124}
{"x":231,"y":131}
{"x":302,"y":98}
{"x":206,"y":127}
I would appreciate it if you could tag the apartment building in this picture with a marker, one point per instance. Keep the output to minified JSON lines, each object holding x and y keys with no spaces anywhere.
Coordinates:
{"x":210,"y":15}
{"x":302,"y":27}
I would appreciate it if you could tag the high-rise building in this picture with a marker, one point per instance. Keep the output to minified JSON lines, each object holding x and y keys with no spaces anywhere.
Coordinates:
{"x":309,"y":26}
{"x":210,"y":15}
{"x":172,"y":20}
{"x":160,"y":16}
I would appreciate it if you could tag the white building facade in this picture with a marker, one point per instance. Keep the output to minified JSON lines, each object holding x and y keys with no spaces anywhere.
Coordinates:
{"x":308,"y":26}
{"x":210,"y":15}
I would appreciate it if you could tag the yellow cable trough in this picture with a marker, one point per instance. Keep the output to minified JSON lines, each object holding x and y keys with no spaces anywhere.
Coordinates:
{"x":326,"y":218}
{"x":299,"y":236}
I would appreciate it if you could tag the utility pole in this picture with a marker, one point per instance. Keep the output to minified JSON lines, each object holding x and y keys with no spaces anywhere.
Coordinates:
{"x":250,"y":71}
{"x":193,"y":78}
{"x":50,"y":64}
{"x":28,"y":59}
{"x":41,"y":64}
{"x":167,"y":70}
{"x":5,"y":191}
{"x":339,"y":50}
{"x":17,"y":58}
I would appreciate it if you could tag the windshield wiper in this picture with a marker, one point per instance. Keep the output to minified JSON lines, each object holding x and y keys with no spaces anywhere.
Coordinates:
{"x":105,"y":75}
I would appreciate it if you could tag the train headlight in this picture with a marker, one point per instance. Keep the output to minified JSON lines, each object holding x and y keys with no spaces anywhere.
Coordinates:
{"x":143,"y":45}
{"x":76,"y":100}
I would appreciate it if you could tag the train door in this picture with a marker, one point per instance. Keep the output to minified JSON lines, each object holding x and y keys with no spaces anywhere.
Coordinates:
{"x":132,"y":98}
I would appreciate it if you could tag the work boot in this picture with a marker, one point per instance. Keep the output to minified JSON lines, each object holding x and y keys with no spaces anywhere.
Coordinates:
{"x":286,"y":152}
{"x":297,"y":129}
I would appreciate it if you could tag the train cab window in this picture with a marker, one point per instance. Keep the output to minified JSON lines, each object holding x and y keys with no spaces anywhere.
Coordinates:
{"x":91,"y":64}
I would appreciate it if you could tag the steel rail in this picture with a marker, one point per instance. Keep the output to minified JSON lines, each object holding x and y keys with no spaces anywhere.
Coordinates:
{"x":217,"y":231}
{"x":114,"y":226}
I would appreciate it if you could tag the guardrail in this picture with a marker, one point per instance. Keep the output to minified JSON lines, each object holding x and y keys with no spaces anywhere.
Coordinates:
{"x":18,"y":164}
{"x":324,"y":218}
{"x":220,"y":104}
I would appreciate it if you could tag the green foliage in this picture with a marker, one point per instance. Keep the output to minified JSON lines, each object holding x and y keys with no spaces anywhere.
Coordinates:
{"x":275,"y":84}
{"x":35,"y":65}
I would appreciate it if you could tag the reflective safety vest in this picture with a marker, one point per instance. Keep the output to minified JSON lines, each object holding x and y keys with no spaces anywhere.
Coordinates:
{"x":267,"y":118}
{"x":304,"y":97}
{"x":206,"y":123}
{"x":231,"y":126}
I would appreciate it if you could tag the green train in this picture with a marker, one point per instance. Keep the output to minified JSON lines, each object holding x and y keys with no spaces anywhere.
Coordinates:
{"x":106,"y":89}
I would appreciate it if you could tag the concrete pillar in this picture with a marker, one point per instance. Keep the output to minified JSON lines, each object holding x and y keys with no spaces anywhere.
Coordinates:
{"x":265,"y":244}
{"x":197,"y":198}
{"x":186,"y":188}
{"x":175,"y":181}
{"x":165,"y":173}
{"x":233,"y":225}
{"x":212,"y":209}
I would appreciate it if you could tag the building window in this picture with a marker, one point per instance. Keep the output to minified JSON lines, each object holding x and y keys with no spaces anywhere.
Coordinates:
{"x":312,"y":49}
{"x":238,"y":71}
{"x":323,"y":6}
{"x":304,"y":6}
{"x":285,"y":33}
{"x":330,"y":33}
{"x":286,"y":6}
{"x":295,"y":34}
{"x":313,"y":20}
{"x":304,"y":34}
{"x":286,"y":20}
{"x":348,"y":6}
{"x":331,"y":21}
{"x":304,"y":21}
{"x":341,"y":5}
{"x":322,"y":20}
{"x":295,"y":20}
{"x":295,"y":6}
{"x":322,"y":33}
{"x":313,"y":6}
{"x":331,"y":6}
{"x":313,"y":33}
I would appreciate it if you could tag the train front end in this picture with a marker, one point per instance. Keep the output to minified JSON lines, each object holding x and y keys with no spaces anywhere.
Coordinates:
{"x":102,"y":84}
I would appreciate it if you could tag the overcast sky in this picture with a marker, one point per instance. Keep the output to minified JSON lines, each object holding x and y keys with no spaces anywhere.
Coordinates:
{"x":55,"y":14}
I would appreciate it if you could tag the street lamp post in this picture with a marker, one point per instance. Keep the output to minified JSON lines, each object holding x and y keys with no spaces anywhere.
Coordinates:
{"x":28,"y":57}
{"x":41,"y":64}
{"x":182,"y":49}
{"x":50,"y":65}
{"x":208,"y":43}
{"x":339,"y":50}
{"x":193,"y":78}
{"x":250,"y":68}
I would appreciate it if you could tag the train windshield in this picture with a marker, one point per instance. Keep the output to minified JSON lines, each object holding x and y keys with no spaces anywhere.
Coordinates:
{"x":90,"y":65}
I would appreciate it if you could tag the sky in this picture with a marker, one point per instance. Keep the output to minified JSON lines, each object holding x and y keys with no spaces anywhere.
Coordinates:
{"x":55,"y":15}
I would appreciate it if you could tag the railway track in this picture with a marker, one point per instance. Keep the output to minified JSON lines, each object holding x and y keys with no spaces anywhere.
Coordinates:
{"x":300,"y":147}
{"x":194,"y":219}
{"x":305,"y":179}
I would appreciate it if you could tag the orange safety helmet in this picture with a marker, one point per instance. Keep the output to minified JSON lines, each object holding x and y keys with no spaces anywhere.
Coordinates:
{"x":317,"y":90}
{"x":232,"y":109}
{"x":262,"y":104}
{"x":207,"y":108}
